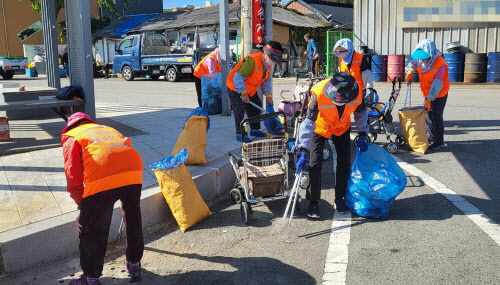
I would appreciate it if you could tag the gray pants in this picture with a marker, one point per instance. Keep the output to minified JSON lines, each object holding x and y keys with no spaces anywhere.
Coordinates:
{"x":239,"y":109}
{"x":435,"y":125}
{"x":310,"y":64}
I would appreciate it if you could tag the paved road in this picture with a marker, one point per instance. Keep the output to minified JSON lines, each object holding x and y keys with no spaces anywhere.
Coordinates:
{"x":426,"y":240}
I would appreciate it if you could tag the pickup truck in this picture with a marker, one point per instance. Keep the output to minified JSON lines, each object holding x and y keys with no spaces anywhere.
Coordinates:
{"x":150,"y":54}
{"x":10,"y":65}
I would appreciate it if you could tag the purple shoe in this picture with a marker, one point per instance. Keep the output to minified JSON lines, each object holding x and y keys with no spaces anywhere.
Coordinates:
{"x":83,"y":281}
{"x":135,"y":272}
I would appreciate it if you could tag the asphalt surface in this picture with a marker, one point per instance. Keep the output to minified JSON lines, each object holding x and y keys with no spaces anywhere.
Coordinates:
{"x":425,"y":240}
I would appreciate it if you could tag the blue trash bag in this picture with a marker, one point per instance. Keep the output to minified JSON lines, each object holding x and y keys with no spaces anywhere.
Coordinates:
{"x":374,"y":183}
{"x":198,"y":112}
{"x":171,"y":162}
{"x":211,"y":93}
{"x":273,"y":126}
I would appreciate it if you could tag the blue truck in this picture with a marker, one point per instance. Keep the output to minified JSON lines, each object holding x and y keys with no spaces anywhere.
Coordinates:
{"x":151,"y":55}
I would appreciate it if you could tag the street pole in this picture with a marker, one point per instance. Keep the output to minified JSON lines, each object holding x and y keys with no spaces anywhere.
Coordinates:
{"x":246,"y":27}
{"x":224,"y":53}
{"x":269,"y":31}
{"x":50,"y":42}
{"x":80,"y":51}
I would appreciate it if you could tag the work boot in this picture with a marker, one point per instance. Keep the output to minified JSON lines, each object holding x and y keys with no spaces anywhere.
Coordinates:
{"x":135,"y":272}
{"x":436,"y":145}
{"x":247,"y":139}
{"x":84,"y":281}
{"x":340,"y":206}
{"x":313,"y":211}
{"x":258,"y":133}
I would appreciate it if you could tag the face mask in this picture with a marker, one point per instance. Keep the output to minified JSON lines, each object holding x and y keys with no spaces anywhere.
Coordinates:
{"x":341,"y":54}
{"x":268,"y":64}
{"x":423,"y":62}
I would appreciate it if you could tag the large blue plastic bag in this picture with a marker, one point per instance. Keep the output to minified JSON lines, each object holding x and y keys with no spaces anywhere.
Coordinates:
{"x":211,"y":93}
{"x":273,"y":126}
{"x":374,"y":183}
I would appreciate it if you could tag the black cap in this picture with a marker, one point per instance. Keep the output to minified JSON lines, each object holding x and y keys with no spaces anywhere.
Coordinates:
{"x":273,"y":49}
{"x":342,"y":88}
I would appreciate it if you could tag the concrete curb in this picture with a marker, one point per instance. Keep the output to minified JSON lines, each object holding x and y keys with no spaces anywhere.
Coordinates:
{"x":56,"y":238}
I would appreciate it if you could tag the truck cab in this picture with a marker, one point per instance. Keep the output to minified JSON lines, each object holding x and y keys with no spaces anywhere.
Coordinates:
{"x":150,"y":55}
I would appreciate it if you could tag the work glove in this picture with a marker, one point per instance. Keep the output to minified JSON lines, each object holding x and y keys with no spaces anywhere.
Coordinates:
{"x":300,"y":164}
{"x":427,"y":104}
{"x":269,"y":99}
{"x":362,"y":145}
{"x":244,"y":97}
{"x":409,"y":76}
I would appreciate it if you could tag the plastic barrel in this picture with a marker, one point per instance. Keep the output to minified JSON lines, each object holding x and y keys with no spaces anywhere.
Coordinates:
{"x":493,"y":73}
{"x":379,"y":67}
{"x":455,"y":63}
{"x":395,"y":66}
{"x":475,"y":67}
{"x":414,"y":77}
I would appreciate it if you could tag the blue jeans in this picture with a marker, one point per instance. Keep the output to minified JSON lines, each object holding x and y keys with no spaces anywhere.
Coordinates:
{"x":435,"y":125}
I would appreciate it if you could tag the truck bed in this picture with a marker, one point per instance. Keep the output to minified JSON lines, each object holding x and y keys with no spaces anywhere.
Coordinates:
{"x":178,"y":59}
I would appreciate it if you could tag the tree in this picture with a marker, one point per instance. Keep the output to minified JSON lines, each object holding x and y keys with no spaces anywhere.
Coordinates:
{"x":36,"y":5}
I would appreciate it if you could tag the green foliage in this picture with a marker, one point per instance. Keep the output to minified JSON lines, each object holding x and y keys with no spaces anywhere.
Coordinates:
{"x":36,"y":5}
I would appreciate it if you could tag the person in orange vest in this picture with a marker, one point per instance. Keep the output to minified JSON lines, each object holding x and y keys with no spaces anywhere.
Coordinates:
{"x":209,"y":64}
{"x":332,"y":102}
{"x":356,"y":65}
{"x":101,"y":167}
{"x":250,"y":73}
{"x":432,"y":70}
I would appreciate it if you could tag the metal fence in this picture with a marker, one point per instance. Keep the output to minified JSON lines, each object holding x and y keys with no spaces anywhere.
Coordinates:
{"x":331,"y":38}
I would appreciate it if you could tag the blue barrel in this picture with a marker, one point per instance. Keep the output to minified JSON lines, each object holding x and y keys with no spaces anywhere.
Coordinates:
{"x":414,"y":77}
{"x":379,"y":67}
{"x":493,"y":73}
{"x":455,"y":63}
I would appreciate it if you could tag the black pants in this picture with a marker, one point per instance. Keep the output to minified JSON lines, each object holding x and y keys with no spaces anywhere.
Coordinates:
{"x":95,"y":217}
{"x":343,"y":147}
{"x":310,"y":64}
{"x":434,"y":118}
{"x":239,"y":109}
{"x":197,"y":83}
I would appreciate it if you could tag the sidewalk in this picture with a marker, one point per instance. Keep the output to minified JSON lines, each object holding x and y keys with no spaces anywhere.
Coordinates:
{"x":33,"y":183}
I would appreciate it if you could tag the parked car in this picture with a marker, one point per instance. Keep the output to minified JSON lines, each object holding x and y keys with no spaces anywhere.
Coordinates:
{"x":10,"y":65}
{"x":151,"y":54}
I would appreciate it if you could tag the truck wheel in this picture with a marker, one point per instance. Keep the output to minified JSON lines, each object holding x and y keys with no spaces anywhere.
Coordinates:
{"x":7,"y":75}
{"x":127,"y":73}
{"x":154,"y":77}
{"x":171,"y":74}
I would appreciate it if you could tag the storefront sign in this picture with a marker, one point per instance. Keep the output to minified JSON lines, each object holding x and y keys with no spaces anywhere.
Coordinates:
{"x":258,"y":23}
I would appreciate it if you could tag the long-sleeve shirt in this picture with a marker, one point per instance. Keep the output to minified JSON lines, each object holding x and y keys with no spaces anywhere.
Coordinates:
{"x":247,"y":68}
{"x":437,"y":82}
{"x":311,"y":48}
{"x":210,"y":64}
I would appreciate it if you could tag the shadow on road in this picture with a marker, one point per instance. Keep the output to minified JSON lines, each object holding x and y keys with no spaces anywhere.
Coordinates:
{"x":246,"y":270}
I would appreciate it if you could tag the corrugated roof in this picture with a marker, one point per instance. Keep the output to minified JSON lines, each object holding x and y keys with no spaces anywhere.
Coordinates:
{"x":342,"y":14}
{"x":210,"y":16}
{"x":121,"y":26}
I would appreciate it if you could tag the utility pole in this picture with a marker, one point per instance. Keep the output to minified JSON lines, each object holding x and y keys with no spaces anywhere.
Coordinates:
{"x":224,"y":53}
{"x":246,"y":27}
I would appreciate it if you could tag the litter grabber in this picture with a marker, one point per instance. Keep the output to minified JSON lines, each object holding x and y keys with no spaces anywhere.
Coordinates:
{"x":273,"y":126}
{"x":293,"y":196}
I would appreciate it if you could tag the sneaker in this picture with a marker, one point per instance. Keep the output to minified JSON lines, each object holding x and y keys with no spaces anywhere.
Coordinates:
{"x":247,"y":139}
{"x":437,"y":145}
{"x":340,"y":206}
{"x":135,"y":272}
{"x":258,"y":133}
{"x":83,"y":281}
{"x":313,"y":211}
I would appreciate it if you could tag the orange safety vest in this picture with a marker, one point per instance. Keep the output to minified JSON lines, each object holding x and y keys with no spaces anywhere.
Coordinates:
{"x":109,"y":161}
{"x":201,"y":68}
{"x":252,"y":82}
{"x":427,"y":78}
{"x":355,"y":69}
{"x":328,"y":122}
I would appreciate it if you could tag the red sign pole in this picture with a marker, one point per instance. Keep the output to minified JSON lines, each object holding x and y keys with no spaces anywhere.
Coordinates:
{"x":258,"y":23}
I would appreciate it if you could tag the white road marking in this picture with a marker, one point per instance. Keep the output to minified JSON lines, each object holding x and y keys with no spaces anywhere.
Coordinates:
{"x":486,"y":224}
{"x":335,"y":271}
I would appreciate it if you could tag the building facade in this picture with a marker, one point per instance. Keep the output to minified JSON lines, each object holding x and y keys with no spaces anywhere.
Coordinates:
{"x":396,"y":26}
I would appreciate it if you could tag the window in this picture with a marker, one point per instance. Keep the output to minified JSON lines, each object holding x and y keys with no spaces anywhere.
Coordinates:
{"x":232,"y":35}
{"x":190,"y":37}
{"x":127,"y":43}
{"x":29,"y":31}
